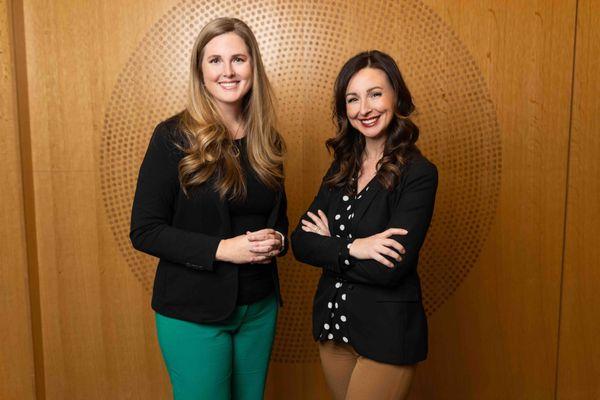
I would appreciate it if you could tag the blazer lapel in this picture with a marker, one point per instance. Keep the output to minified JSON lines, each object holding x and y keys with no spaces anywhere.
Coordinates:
{"x":275,"y":211}
{"x":367,"y":196}
{"x":333,"y":208}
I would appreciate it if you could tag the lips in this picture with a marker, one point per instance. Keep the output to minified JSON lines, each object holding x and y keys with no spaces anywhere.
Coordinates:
{"x":369,"y":122}
{"x":230,"y":85}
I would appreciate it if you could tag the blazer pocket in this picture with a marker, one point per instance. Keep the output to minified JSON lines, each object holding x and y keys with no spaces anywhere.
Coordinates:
{"x":182,"y":286}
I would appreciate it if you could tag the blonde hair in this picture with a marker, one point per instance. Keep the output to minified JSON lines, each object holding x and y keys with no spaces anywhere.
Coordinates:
{"x":208,"y":143}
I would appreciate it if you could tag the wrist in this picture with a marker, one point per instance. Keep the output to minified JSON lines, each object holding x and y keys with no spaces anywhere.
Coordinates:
{"x":221,"y":254}
{"x":352,"y":248}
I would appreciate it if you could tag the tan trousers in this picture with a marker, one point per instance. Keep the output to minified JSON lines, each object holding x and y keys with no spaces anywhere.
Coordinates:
{"x":353,"y":377}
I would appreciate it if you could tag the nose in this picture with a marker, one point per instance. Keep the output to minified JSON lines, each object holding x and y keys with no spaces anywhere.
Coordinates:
{"x":365,"y":107}
{"x":228,"y":71}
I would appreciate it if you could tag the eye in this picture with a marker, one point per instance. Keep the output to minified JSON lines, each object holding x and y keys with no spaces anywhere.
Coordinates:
{"x":214,"y":60}
{"x":239,"y":60}
{"x":376,"y":94}
{"x":351,"y":100}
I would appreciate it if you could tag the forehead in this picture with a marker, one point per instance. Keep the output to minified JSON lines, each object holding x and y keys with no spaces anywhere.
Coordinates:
{"x":226,"y":44}
{"x":367,"y":78}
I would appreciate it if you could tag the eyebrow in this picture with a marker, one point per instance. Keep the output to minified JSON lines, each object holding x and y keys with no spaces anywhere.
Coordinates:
{"x":369,"y":90}
{"x":233,"y":56}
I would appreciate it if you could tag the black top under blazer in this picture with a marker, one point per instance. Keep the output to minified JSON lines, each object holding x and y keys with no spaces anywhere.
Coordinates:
{"x":184,"y":233}
{"x":385,"y":314}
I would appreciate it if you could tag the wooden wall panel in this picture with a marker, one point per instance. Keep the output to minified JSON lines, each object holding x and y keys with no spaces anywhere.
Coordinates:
{"x":16,"y":350}
{"x":497,"y":337}
{"x":579,"y":347}
{"x":98,"y":331}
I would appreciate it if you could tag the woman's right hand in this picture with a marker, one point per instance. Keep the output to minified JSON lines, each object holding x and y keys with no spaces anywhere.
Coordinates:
{"x":377,"y":246}
{"x":238,"y":250}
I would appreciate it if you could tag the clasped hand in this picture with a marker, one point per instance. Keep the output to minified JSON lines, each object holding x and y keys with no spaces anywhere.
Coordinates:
{"x":374,"y":247}
{"x":252,"y":248}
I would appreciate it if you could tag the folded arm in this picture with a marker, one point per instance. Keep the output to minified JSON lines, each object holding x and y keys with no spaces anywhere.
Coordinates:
{"x":413,"y":213}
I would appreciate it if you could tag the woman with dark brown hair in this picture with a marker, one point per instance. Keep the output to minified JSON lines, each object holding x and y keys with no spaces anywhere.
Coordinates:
{"x":364,"y":229}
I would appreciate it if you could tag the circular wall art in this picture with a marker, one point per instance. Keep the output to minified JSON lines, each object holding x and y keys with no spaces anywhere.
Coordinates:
{"x":304,"y":44}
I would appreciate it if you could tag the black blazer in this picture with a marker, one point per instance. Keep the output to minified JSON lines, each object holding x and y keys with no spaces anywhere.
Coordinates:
{"x":386,"y":318}
{"x":184,"y":232}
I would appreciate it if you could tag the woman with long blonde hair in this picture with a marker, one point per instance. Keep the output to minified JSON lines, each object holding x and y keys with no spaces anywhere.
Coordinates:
{"x":210,"y":204}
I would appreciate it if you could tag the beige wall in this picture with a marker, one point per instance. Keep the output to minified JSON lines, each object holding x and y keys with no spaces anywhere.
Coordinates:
{"x":509,"y":268}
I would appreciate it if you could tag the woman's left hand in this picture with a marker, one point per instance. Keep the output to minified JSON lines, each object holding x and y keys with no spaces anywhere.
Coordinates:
{"x":265,"y":242}
{"x":320,"y":225}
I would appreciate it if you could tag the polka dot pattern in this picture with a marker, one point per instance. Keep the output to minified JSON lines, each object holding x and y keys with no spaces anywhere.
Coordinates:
{"x":304,"y":44}
{"x":339,"y":322}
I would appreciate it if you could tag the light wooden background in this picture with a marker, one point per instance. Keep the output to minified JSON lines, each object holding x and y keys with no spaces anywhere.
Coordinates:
{"x":524,"y":324}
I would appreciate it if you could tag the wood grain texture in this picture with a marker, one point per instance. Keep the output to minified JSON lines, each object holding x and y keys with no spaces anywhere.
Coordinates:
{"x":579,"y":347}
{"x":16,"y":350}
{"x":98,"y":329}
{"x":497,"y":337}
{"x":299,"y":381}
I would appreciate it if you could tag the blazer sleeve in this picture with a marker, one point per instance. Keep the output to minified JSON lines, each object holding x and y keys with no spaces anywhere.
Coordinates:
{"x":282,"y":223}
{"x":314,"y":249}
{"x":413,"y":213}
{"x":153,"y":207}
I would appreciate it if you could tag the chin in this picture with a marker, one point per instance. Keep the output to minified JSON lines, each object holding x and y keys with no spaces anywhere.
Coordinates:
{"x":373,"y":135}
{"x":369,"y":133}
{"x":229,"y":99}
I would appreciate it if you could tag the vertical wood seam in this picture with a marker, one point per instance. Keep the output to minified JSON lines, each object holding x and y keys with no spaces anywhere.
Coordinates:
{"x":24,"y":134}
{"x":566,"y":201}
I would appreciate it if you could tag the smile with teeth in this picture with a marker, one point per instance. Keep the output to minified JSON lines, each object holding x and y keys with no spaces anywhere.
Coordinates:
{"x":229,"y":85}
{"x":369,"y":122}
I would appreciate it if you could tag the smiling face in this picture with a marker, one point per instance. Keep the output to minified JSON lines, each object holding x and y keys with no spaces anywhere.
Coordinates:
{"x":227,"y":69}
{"x":370,"y":101}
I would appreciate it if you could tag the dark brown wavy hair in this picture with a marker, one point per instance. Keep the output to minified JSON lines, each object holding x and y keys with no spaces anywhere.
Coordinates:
{"x":348,"y":144}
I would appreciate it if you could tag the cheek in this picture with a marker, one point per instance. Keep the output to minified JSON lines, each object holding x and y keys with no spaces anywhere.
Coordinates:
{"x":380,"y":104}
{"x":209,"y":75}
{"x":210,"y":83}
{"x":354,"y":122}
{"x":247,"y":75}
{"x":245,"y":71}
{"x":389,"y":105}
{"x":352,"y":111}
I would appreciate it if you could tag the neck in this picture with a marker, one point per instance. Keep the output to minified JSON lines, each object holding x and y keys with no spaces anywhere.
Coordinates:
{"x":232,"y":118}
{"x":374,"y":148}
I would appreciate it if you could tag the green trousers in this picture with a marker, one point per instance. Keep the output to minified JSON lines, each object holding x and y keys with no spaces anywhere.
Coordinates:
{"x":220,"y":361}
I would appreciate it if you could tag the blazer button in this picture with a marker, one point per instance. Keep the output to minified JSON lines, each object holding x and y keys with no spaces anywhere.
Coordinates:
{"x":350,"y":287}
